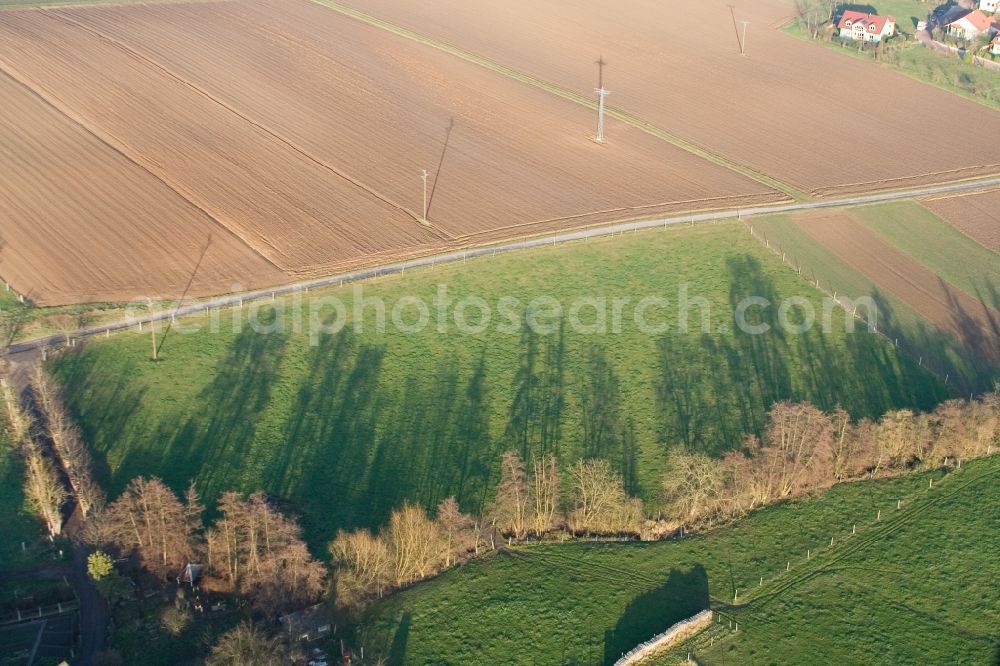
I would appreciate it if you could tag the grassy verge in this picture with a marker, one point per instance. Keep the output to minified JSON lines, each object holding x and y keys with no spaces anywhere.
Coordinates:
{"x":350,"y":426}
{"x":918,"y":337}
{"x":587,"y":603}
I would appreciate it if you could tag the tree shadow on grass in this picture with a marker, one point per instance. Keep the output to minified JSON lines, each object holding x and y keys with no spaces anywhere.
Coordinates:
{"x":106,"y":407}
{"x":685,"y":593}
{"x":967,"y":370}
{"x":397,"y":651}
{"x":215,"y":442}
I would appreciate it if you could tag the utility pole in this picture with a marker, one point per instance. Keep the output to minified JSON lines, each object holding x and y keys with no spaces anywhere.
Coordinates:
{"x":424,"y":209}
{"x":601,"y":94}
{"x":743,"y":42}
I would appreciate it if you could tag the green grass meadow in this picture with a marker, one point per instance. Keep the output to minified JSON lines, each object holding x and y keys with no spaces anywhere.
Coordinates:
{"x":915,"y":587}
{"x":930,"y":241}
{"x":348,"y":428}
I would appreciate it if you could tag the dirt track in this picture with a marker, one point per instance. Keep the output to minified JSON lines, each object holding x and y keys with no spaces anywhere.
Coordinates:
{"x":796,"y":111}
{"x":941,"y":303}
{"x":975,"y":215}
{"x":302,"y":134}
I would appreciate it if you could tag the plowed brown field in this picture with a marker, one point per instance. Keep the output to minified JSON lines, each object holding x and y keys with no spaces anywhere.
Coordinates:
{"x":940,"y":302}
{"x":975,"y":215}
{"x":80,"y":222}
{"x":803,"y":114}
{"x":304,"y":133}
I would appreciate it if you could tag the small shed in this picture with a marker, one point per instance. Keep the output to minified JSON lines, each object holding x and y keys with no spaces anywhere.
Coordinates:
{"x":190,"y":574}
{"x":308,"y":625}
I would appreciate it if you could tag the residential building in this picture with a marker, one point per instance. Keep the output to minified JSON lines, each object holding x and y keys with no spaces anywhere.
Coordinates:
{"x":989,"y":6}
{"x":971,"y":27}
{"x":862,"y":27}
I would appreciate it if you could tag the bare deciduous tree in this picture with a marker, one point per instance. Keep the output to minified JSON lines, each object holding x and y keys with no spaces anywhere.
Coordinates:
{"x":364,"y":566}
{"x":457,"y":531}
{"x":44,"y":491}
{"x":510,"y":508}
{"x":814,"y":14}
{"x":415,"y":544}
{"x":261,"y":553}
{"x":692,"y":486}
{"x":545,"y":484}
{"x":68,"y":444}
{"x":149,"y":519}
{"x":247,"y":645}
{"x":42,"y":486}
{"x":600,"y":505}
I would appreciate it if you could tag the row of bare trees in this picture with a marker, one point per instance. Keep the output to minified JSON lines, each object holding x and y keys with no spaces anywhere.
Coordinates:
{"x":53,"y":452}
{"x":529,"y":504}
{"x":67,"y":444}
{"x":43,"y":488}
{"x":410,"y":548}
{"x":805,"y":449}
{"x":253,"y":548}
{"x":413,"y":546}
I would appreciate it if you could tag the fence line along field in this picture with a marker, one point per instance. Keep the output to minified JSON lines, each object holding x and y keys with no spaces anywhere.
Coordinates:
{"x":303,"y":133}
{"x":975,"y":215}
{"x":972,"y":321}
{"x":788,"y":109}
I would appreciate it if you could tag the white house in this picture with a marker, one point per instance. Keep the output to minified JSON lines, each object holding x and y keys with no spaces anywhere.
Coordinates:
{"x":862,"y":27}
{"x":972,"y":26}
{"x":989,"y":6}
{"x":995,"y":45}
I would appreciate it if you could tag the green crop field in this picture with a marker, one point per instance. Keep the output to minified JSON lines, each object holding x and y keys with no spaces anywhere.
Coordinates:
{"x":348,"y":428}
{"x":924,"y":574}
{"x":931,"y":242}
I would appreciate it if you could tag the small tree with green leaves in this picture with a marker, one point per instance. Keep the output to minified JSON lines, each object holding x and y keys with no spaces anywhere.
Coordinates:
{"x":99,"y":566}
{"x":114,"y":587}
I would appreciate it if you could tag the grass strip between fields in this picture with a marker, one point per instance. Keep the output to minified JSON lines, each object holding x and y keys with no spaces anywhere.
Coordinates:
{"x":617,"y":114}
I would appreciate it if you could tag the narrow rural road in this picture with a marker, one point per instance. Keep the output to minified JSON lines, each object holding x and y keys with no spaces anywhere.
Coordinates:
{"x":93,"y":611}
{"x":487,"y":250}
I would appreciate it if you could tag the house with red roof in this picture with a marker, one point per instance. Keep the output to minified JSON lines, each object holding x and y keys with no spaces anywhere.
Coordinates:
{"x":971,"y":26}
{"x":862,"y":27}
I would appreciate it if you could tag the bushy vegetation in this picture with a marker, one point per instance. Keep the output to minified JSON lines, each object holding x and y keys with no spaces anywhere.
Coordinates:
{"x":924,"y":571}
{"x":349,"y":428}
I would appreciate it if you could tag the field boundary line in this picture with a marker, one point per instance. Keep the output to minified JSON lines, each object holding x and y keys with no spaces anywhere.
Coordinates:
{"x":555,"y":89}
